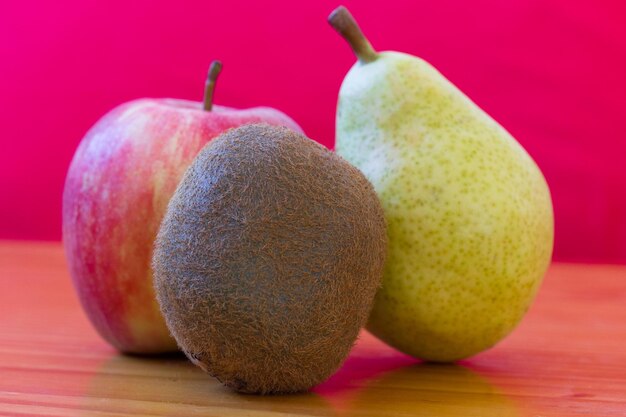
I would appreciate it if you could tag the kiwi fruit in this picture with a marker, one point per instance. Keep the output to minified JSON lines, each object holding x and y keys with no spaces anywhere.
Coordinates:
{"x":268,"y":259}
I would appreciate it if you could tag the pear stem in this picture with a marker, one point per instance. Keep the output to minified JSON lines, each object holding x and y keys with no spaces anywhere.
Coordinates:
{"x":209,"y":85}
{"x":343,"y":22}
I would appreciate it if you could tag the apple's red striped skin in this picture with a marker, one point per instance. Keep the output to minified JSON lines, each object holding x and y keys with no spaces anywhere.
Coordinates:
{"x":119,"y":183}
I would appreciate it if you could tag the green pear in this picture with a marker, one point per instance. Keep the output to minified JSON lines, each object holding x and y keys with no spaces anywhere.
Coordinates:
{"x":469,"y":213}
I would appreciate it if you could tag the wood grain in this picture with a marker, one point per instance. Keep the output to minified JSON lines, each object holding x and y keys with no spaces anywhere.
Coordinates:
{"x":567,"y":358}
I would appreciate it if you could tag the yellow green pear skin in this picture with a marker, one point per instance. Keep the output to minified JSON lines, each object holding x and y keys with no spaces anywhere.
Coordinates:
{"x":469,"y":213}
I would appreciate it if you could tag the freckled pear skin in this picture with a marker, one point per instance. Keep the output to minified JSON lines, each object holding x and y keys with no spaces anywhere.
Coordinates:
{"x":469,"y":213}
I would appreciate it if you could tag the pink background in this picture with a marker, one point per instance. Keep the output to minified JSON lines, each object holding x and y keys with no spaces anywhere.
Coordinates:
{"x":553,"y":72}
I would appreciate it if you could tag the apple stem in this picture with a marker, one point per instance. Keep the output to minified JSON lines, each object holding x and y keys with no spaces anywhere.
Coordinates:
{"x":209,"y":85}
{"x":343,"y":22}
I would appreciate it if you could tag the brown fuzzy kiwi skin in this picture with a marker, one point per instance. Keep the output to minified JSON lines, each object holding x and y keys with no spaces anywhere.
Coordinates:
{"x":268,"y":260}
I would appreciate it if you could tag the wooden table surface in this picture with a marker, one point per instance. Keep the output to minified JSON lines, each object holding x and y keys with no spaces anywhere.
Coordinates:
{"x":567,"y":358}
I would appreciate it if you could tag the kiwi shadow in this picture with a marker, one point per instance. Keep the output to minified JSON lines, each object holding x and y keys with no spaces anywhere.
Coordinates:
{"x":368,"y":358}
{"x":359,"y":368}
{"x":170,"y":384}
{"x":157,"y":357}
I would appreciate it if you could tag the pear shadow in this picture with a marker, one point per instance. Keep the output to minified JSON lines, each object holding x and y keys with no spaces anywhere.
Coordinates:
{"x":170,"y":384}
{"x":427,"y":389}
{"x":381,"y":381}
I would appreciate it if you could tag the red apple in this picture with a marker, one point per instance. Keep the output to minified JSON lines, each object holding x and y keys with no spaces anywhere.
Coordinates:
{"x":119,"y":183}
